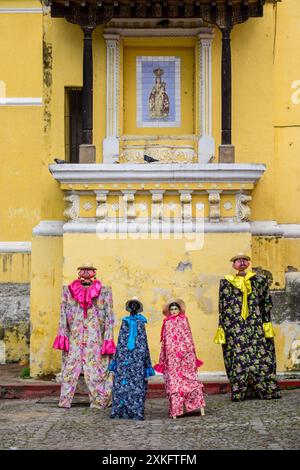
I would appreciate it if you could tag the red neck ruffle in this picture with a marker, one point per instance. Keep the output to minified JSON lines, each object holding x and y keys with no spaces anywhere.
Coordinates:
{"x":85,"y":295}
{"x":172,"y":318}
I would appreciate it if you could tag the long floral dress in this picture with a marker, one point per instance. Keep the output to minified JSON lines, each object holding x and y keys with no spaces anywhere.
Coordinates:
{"x":178,"y":363}
{"x":86,"y":338}
{"x":131,"y":367}
{"x":248,"y":344}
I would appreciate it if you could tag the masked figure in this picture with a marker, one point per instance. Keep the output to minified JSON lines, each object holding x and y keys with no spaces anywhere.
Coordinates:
{"x":178,"y":361}
{"x":131,"y":365}
{"x":86,"y":338}
{"x":246,"y":333}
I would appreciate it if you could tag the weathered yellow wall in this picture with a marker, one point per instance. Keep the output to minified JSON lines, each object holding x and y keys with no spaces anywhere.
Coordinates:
{"x":287,"y":112}
{"x":266,"y":104}
{"x":15,"y":267}
{"x":46,"y":284}
{"x":147,"y":269}
{"x":17,"y":343}
{"x":277,"y":255}
{"x":261,"y":100}
{"x":21,"y":126}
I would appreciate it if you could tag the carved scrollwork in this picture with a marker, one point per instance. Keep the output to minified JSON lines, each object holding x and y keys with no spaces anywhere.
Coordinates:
{"x":72,"y":211}
{"x":214,"y":206}
{"x":243,"y":211}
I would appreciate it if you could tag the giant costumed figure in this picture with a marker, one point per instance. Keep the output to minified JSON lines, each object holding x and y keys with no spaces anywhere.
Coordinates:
{"x":246,"y":333}
{"x":85,"y":336}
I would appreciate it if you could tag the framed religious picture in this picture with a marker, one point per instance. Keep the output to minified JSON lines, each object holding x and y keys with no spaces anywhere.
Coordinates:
{"x":158,"y":91}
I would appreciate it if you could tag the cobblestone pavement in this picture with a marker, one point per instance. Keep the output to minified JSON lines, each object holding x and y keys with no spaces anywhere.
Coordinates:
{"x":40,"y":424}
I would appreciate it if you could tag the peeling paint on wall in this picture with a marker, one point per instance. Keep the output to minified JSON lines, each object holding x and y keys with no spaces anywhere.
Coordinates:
{"x":14,"y":322}
{"x":47,"y":77}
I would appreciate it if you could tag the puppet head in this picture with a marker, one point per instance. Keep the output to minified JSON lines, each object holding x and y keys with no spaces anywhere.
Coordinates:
{"x":173,"y":307}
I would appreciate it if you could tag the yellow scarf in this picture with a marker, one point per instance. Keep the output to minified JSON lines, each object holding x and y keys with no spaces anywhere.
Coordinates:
{"x":243,"y":283}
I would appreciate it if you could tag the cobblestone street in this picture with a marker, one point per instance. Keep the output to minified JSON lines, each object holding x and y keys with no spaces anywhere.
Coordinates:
{"x":40,"y":424}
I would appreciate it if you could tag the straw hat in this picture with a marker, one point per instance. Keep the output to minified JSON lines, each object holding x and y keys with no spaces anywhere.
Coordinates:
{"x":239,"y":256}
{"x":180,"y":302}
{"x":134,"y":299}
{"x":87,"y":266}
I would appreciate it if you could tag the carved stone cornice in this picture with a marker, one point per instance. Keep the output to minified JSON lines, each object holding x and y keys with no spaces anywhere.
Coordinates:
{"x":174,"y":173}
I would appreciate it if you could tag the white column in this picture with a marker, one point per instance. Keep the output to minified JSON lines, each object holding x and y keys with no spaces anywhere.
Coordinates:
{"x":206,"y":144}
{"x":111,"y":141}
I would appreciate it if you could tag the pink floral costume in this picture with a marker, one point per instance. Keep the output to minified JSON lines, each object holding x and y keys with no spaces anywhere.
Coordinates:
{"x":179,"y":365}
{"x":86,"y":338}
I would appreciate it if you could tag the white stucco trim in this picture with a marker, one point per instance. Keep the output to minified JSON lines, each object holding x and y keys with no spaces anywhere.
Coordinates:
{"x":171,"y":172}
{"x":111,"y":141}
{"x":21,"y":10}
{"x":21,"y":101}
{"x":148,"y":226}
{"x":48,"y":228}
{"x":206,"y":144}
{"x":272,"y":229}
{"x":15,"y":247}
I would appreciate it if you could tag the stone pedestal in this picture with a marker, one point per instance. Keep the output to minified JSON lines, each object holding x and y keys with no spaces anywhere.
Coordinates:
{"x":226,"y":154}
{"x":87,"y":153}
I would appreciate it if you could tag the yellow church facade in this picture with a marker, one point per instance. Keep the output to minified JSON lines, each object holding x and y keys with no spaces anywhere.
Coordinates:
{"x":175,"y":129}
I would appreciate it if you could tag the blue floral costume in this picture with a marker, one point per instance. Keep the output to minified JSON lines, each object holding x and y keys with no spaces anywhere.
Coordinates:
{"x":131,"y":367}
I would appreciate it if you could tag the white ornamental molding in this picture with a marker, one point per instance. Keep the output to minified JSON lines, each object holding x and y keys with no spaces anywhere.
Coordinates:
{"x":206,"y":145}
{"x":157,"y":204}
{"x":162,"y":153}
{"x":129,"y":205}
{"x":111,"y":141}
{"x":72,"y":211}
{"x":102,"y":208}
{"x":20,"y":10}
{"x":186,"y":204}
{"x":20,"y":101}
{"x":243,"y":211}
{"x":214,"y":206}
{"x":48,"y":228}
{"x":15,"y":247}
{"x":169,"y":172}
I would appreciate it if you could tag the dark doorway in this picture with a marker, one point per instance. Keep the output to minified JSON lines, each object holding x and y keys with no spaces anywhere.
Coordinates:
{"x":73,"y":123}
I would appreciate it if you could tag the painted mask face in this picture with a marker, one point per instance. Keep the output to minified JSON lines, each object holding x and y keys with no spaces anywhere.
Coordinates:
{"x":241,"y":264}
{"x":174,"y":310}
{"x":87,"y":273}
{"x":134,"y":306}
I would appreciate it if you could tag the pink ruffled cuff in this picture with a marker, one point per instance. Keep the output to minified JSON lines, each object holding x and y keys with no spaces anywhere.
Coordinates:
{"x":199,"y":363}
{"x":61,"y":342}
{"x":159,"y":368}
{"x":108,"y":347}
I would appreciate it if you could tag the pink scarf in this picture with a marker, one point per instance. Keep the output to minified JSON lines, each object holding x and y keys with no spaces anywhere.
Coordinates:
{"x":85,"y":295}
{"x":170,"y":317}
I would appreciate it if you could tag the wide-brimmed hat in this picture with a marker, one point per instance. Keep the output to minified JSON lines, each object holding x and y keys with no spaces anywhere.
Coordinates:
{"x":180,"y":302}
{"x":134,"y":299}
{"x":87,"y":266}
{"x":239,"y":256}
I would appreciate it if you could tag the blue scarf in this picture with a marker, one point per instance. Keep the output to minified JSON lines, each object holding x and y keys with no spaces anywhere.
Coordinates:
{"x":132,"y":322}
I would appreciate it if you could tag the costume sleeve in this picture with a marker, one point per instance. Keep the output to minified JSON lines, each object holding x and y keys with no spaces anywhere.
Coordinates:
{"x":149,"y":371}
{"x":108,"y":346}
{"x":62,"y":339}
{"x":220,"y":334}
{"x":160,"y":367}
{"x":265,"y":306}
